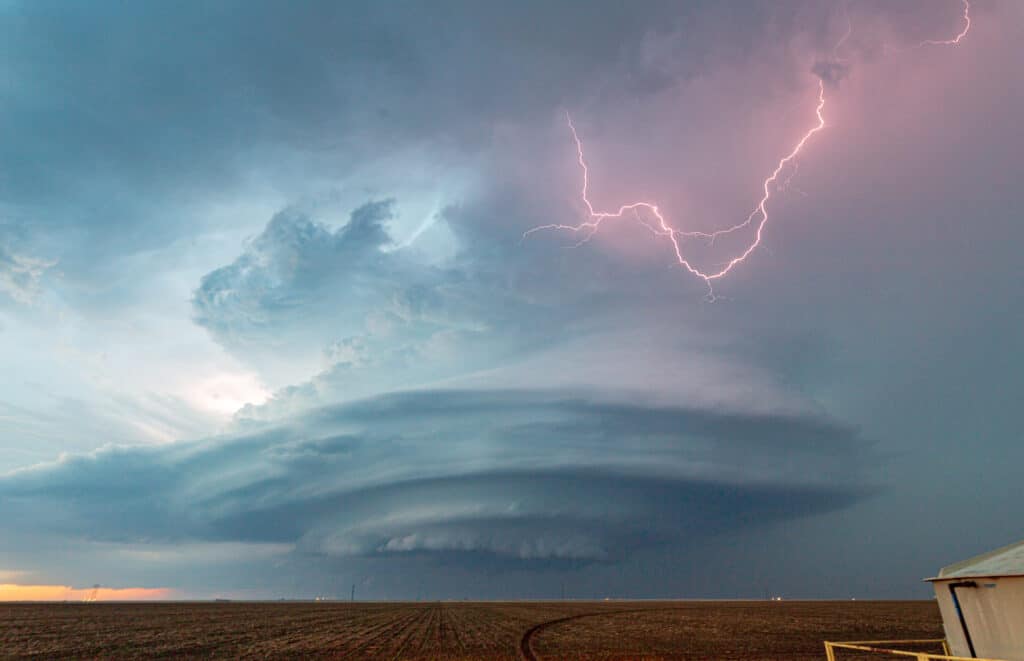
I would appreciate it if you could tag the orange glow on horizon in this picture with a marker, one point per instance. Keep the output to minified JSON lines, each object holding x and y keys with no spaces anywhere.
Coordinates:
{"x":18,"y":592}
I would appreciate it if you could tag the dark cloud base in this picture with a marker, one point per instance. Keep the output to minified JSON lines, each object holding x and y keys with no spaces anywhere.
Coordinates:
{"x":528,"y":478}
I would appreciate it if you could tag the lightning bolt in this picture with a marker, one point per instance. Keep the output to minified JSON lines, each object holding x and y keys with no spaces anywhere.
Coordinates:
{"x":955,"y":40}
{"x":758,"y":217}
{"x":846,"y":35}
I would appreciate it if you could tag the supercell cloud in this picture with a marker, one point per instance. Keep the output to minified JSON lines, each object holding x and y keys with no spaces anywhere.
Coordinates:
{"x":270,"y":326}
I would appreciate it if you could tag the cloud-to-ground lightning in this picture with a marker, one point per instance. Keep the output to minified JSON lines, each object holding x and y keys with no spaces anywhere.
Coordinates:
{"x":757,"y":217}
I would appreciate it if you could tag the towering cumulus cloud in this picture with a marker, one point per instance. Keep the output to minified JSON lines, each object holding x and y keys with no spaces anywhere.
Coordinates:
{"x":499,"y":457}
{"x":292,"y":270}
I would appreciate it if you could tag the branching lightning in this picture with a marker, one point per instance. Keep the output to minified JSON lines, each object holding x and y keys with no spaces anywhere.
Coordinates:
{"x":656,"y":222}
{"x":846,"y":35}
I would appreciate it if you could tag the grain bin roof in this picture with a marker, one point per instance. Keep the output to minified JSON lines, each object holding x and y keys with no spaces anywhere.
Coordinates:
{"x":1006,"y":561}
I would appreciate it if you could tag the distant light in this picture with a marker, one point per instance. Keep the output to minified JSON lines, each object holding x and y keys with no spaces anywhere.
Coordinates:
{"x":225,"y":393}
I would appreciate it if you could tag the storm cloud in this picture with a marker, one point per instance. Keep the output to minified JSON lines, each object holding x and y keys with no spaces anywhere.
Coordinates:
{"x":271,"y":325}
{"x":506,"y":476}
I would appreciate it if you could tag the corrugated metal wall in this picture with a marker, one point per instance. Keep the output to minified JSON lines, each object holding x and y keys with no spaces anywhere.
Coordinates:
{"x":993,"y":612}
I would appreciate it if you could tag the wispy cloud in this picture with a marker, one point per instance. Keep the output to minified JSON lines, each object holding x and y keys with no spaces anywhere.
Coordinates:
{"x":21,"y":275}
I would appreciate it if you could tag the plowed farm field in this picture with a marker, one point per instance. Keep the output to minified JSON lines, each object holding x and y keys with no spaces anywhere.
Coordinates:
{"x":742,"y":630}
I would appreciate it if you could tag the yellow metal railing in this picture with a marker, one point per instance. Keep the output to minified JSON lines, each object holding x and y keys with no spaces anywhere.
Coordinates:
{"x":872,"y":646}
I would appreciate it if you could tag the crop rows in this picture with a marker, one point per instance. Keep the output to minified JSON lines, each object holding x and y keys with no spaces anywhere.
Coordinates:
{"x":455,"y":630}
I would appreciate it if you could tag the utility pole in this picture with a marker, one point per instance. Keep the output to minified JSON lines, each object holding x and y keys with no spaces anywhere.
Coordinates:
{"x":353,"y":592}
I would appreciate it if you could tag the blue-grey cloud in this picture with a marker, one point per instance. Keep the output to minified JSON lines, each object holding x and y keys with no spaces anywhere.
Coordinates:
{"x":574,"y":406}
{"x":349,"y":298}
{"x":324,"y":86}
{"x":297,"y":268}
{"x":831,"y":72}
{"x":518,"y":476}
{"x":367,"y":316}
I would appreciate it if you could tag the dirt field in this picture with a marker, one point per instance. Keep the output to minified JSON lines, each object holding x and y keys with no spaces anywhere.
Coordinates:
{"x":457,"y":630}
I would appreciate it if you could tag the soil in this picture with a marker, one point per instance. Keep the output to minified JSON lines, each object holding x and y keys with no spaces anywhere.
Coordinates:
{"x":736,"y":630}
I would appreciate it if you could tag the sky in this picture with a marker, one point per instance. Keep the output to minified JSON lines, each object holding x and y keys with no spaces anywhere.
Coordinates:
{"x":273,"y":322}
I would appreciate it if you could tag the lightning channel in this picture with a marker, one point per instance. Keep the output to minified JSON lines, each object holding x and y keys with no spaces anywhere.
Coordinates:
{"x":758,"y":217}
{"x":955,"y":40}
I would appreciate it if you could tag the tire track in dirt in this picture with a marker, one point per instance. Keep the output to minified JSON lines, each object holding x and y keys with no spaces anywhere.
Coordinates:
{"x":526,"y":650}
